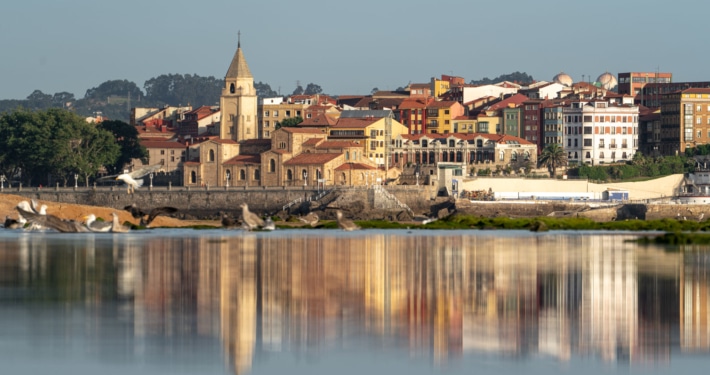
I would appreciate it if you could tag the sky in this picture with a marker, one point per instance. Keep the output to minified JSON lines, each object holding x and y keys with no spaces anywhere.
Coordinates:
{"x":348,"y":48}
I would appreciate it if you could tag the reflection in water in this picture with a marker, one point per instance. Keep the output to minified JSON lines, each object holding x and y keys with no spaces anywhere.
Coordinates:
{"x":434,"y":295}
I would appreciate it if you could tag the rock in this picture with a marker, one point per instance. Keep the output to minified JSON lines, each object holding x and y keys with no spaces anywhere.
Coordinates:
{"x":443,"y":213}
{"x":539,"y":226}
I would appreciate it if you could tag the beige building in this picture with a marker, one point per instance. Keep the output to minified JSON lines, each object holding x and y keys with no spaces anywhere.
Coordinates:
{"x":274,"y":110}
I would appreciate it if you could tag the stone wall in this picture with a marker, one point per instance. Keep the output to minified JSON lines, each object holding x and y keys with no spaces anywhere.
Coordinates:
{"x":202,"y":202}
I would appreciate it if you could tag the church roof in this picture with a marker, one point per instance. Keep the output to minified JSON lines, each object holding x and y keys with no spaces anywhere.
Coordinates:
{"x":239,"y":68}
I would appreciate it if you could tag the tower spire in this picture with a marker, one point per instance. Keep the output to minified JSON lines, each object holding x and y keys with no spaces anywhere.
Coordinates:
{"x":239,"y":39}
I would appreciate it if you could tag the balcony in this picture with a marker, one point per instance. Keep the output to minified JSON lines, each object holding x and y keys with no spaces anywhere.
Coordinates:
{"x":612,"y":146}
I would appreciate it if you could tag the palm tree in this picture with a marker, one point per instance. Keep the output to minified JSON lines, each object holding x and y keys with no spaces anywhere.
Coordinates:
{"x":553,"y":156}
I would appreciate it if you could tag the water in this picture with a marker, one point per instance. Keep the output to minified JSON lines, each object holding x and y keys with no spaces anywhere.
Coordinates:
{"x":326,"y":301}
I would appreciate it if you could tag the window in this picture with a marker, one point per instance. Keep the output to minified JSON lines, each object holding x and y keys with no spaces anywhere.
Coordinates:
{"x":172,"y":152}
{"x":266,"y":113}
{"x":587,"y":130}
{"x":601,"y":155}
{"x":373,"y":144}
{"x":276,"y":113}
{"x":211,"y":156}
{"x":257,"y":175}
{"x":193,"y":177}
{"x":282,"y":145}
{"x":588,"y":143}
{"x":266,"y":124}
{"x":272,"y":166}
{"x":289,"y":175}
{"x":501,"y":156}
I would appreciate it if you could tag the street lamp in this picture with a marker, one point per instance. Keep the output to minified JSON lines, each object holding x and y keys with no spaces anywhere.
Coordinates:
{"x":2,"y":182}
{"x":305,"y":178}
{"x":151,"y":179}
{"x":417,"y":174}
{"x":228,"y":176}
{"x":76,"y":181}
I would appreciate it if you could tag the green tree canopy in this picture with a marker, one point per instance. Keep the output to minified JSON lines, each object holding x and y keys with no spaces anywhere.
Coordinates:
{"x":263,"y":90}
{"x":289,"y":122}
{"x":52,"y":144}
{"x":179,"y":89}
{"x":126,"y":137}
{"x":313,"y":89}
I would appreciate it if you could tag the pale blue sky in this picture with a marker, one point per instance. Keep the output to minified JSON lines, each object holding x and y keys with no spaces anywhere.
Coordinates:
{"x":345,"y":47}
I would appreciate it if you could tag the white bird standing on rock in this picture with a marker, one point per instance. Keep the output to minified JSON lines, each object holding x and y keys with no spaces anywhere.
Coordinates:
{"x":250,"y":220}
{"x":116,"y":226}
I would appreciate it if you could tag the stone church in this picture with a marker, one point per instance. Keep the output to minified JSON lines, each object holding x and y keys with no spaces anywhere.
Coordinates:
{"x":299,"y":156}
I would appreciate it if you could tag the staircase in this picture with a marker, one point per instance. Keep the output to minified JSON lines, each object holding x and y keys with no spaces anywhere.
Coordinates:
{"x":386,"y":200}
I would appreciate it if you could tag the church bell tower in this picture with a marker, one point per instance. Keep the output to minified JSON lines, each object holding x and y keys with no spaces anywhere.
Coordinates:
{"x":238,"y":102}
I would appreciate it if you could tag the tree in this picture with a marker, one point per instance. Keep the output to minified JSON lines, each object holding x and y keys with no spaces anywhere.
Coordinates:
{"x":263,"y":90}
{"x":553,"y":156}
{"x":512,"y":77}
{"x":298,"y":90}
{"x":313,"y":89}
{"x":178,"y":89}
{"x":39,"y":100}
{"x":55,"y":142}
{"x":374,"y":90}
{"x":126,"y":137}
{"x":289,"y":122}
{"x":118,"y":88}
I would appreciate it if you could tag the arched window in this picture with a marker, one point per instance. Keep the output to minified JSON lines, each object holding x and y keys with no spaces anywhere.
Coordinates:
{"x":347,"y":155}
{"x":257,"y":175}
{"x":479,"y":143}
{"x":527,"y":155}
{"x":601,"y":154}
{"x":501,"y":155}
{"x":514,"y":156}
{"x":289,"y":175}
{"x":272,"y":166}
{"x":211,"y":156}
{"x":242,"y":174}
{"x":576,"y":155}
{"x":343,"y":178}
{"x":362,"y":176}
{"x":425,"y":143}
{"x":452,"y":143}
{"x":193,"y":177}
{"x":228,"y":174}
{"x":319,"y":175}
{"x":623,"y":155}
{"x":588,"y":155}
{"x":231,"y":88}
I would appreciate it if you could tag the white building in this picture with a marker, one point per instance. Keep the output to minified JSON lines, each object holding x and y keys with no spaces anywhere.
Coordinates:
{"x":599,"y":131}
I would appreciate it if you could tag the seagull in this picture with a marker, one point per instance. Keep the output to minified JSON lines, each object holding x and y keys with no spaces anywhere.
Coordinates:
{"x":116,"y":226}
{"x":51,"y":221}
{"x":133,"y":179}
{"x":250,"y":220}
{"x":138,"y":213}
{"x":269,"y":224}
{"x":310,"y":219}
{"x":344,"y":223}
{"x":42,"y":210}
{"x":97,"y":226}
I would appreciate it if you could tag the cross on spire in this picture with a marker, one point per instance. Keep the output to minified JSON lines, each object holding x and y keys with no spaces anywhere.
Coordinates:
{"x":239,"y":39}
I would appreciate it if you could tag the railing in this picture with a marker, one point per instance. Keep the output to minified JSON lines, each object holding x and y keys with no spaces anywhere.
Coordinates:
{"x":287,"y":205}
{"x":319,"y":195}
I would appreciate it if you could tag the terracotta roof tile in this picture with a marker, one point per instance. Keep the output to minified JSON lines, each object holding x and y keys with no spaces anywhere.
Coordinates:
{"x":354,"y":167}
{"x":162,"y":144}
{"x":338,"y":144}
{"x":312,"y":158}
{"x":355,"y":122}
{"x":302,"y":130}
{"x":244,"y":159}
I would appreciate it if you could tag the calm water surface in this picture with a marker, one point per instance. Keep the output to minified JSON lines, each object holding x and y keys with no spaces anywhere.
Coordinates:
{"x":325,"y":301}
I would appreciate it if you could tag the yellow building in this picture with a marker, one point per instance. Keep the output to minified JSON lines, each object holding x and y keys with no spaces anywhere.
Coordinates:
{"x":374,"y":129}
{"x":274,"y":110}
{"x":439,"y":115}
{"x":439,"y":87}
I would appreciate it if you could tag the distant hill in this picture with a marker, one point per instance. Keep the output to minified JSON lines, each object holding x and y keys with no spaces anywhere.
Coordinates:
{"x":521,"y":78}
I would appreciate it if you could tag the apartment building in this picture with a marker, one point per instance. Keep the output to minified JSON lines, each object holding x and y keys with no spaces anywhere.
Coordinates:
{"x":685,"y":120}
{"x":598,"y":131}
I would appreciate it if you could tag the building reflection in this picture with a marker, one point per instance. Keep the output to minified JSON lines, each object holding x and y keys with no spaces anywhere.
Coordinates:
{"x":435,"y":296}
